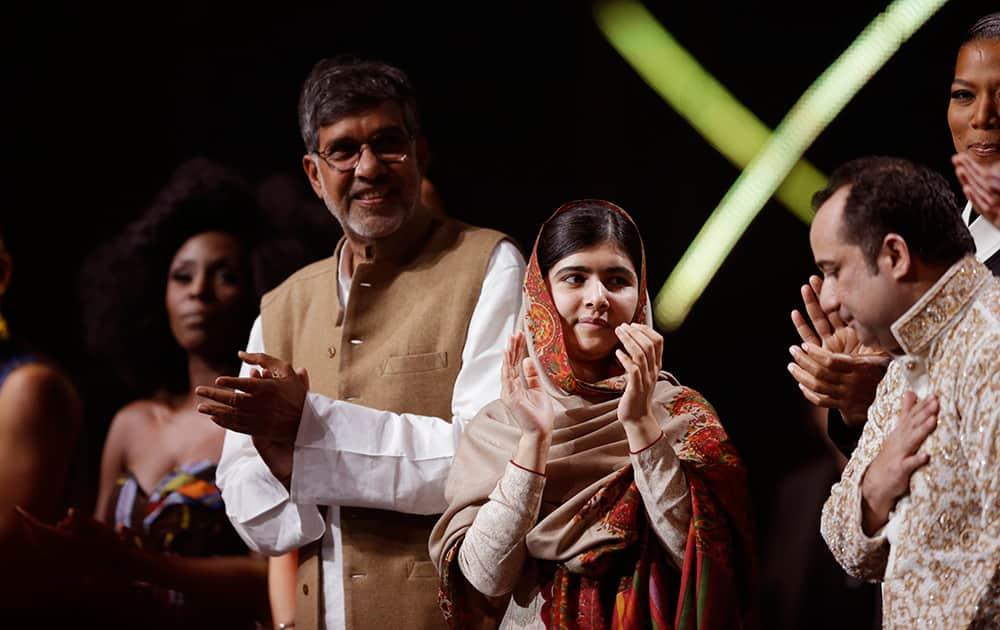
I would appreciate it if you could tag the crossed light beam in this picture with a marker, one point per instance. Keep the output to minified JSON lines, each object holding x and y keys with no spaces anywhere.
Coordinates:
{"x":771,"y":161}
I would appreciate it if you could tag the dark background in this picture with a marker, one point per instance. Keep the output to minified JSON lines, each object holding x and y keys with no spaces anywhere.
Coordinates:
{"x":525,"y":106}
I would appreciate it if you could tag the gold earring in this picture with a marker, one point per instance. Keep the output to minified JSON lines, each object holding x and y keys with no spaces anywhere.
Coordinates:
{"x":4,"y":329}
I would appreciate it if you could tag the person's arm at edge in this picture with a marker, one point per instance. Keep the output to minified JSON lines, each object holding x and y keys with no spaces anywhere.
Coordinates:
{"x":40,"y":418}
{"x":979,"y":400}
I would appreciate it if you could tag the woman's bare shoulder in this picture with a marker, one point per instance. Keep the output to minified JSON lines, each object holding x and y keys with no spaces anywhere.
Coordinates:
{"x":140,"y":413}
{"x":38,"y":392}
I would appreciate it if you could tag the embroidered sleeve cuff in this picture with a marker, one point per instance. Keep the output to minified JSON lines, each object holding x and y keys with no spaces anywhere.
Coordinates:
{"x":493,"y":553}
{"x":861,"y":556}
{"x":520,"y":487}
{"x":853,"y":522}
{"x":648,"y":446}
{"x":534,"y":472}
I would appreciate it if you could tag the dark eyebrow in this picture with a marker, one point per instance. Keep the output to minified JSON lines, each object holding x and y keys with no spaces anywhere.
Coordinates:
{"x":577,"y":268}
{"x":386,"y":129}
{"x":962,"y":82}
{"x":583,"y":269}
{"x":619,"y":269}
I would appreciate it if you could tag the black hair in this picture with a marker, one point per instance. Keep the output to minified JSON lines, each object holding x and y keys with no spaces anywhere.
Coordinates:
{"x":986,"y":27}
{"x":122,"y":283}
{"x":342,"y":85}
{"x":893,"y":195}
{"x":589,"y":222}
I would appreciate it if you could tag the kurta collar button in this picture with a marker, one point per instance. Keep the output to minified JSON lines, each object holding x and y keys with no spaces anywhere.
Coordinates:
{"x":331,"y":351}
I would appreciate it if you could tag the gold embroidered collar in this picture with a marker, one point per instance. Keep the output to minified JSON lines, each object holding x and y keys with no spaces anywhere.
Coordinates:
{"x":936,"y":309}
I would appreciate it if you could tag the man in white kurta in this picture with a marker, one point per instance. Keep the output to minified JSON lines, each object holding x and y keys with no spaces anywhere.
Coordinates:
{"x":401,"y":332}
{"x":399,"y":462}
{"x":918,"y":505}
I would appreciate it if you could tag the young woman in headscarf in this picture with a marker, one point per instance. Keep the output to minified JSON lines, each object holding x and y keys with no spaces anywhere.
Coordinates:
{"x":598,"y":492}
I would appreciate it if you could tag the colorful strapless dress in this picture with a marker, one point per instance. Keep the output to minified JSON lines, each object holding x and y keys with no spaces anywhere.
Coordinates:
{"x":183,"y":515}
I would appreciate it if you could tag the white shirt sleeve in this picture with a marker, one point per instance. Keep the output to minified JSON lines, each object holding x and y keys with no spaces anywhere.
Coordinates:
{"x":256,"y":502}
{"x":400,"y":462}
{"x":984,"y":233}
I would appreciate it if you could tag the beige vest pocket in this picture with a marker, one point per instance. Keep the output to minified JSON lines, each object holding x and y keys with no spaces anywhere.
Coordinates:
{"x":415,"y":363}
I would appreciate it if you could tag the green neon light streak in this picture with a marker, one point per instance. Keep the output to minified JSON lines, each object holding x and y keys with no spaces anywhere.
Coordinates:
{"x":824,"y":99}
{"x":697,"y":96}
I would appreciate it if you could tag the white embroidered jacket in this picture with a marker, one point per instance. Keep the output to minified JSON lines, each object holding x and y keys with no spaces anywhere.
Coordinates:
{"x":938,"y":556}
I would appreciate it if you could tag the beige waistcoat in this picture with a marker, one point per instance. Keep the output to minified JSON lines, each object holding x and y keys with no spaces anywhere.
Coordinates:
{"x":398,"y":347}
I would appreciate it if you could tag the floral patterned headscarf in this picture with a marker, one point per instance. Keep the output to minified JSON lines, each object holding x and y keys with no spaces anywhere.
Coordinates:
{"x":543,"y":324}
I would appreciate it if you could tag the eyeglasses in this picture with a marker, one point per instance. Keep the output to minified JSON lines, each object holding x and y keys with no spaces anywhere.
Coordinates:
{"x":344,"y":156}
